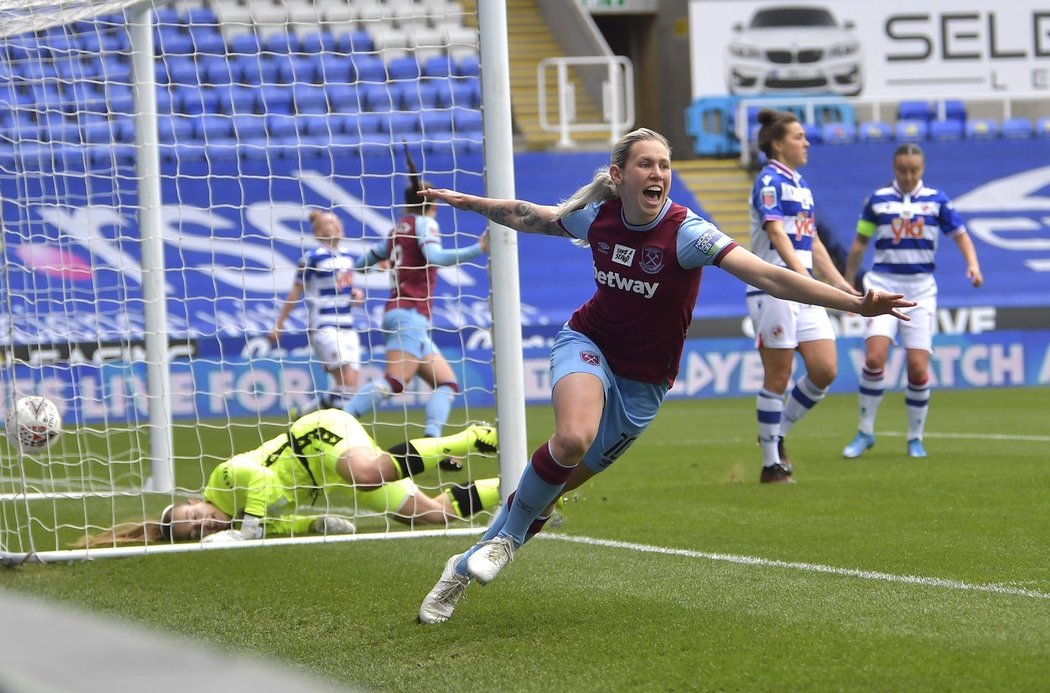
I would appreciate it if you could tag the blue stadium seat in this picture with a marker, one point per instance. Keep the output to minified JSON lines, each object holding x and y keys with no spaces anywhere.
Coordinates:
{"x":345,"y":123}
{"x":319,"y":41}
{"x":207,"y":41}
{"x":167,"y":15}
{"x":101,"y":131}
{"x":375,"y":97}
{"x":358,"y":41}
{"x":434,"y":122}
{"x":467,"y":120}
{"x":181,"y":70}
{"x":403,"y":68}
{"x":315,"y":124}
{"x":372,"y":123}
{"x":254,"y":71}
{"x":874,"y":131}
{"x":197,"y":101}
{"x":954,"y":109}
{"x":164,"y":100}
{"x":309,"y":98}
{"x":982,"y":129}
{"x":217,"y":71}
{"x":915,"y":110}
{"x":466,"y":92}
{"x":281,"y":127}
{"x":281,"y":42}
{"x":336,"y":69}
{"x":343,"y":98}
{"x":212,"y":127}
{"x":247,"y":43}
{"x":912,"y":130}
{"x":405,"y":126}
{"x":469,"y":66}
{"x":119,"y":99}
{"x":369,"y":68}
{"x":839,"y":133}
{"x":813,"y":132}
{"x":414,"y":95}
{"x":438,"y":66}
{"x":200,"y":15}
{"x":299,"y":69}
{"x":239,"y":100}
{"x":172,"y":42}
{"x":946,"y":130}
{"x":274,"y":99}
{"x":175,"y":128}
{"x":1017,"y":129}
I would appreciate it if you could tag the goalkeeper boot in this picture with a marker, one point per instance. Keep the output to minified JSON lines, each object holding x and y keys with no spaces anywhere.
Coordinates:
{"x":491,"y":557}
{"x":915,"y":448}
{"x":485,"y":439}
{"x":858,"y":445}
{"x":440,"y":602}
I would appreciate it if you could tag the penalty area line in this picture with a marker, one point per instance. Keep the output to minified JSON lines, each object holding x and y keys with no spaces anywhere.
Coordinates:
{"x":807,"y":567}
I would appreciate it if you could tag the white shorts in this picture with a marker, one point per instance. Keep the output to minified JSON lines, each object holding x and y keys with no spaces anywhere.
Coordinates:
{"x":914,"y":334}
{"x":781,"y":324}
{"x":336,"y":347}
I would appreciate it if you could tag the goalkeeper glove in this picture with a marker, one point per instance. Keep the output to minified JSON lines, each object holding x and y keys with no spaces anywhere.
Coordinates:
{"x":331,"y":524}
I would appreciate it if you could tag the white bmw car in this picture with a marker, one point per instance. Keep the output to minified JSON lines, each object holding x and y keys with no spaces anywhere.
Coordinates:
{"x":794,"y":49}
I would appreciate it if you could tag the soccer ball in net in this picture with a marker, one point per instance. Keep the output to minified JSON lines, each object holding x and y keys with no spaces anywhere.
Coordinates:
{"x":34,"y":423}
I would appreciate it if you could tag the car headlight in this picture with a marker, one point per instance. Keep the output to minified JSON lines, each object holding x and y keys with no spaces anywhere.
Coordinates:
{"x":843,"y":49}
{"x":739,"y":50}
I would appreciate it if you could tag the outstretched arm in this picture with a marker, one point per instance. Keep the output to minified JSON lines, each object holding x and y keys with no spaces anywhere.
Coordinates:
{"x":793,"y":286}
{"x":519,"y":215}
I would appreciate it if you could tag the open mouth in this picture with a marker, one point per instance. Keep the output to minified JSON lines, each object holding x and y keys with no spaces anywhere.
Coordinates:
{"x":653,"y":193}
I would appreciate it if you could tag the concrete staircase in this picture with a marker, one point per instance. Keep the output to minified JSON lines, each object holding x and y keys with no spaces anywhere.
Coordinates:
{"x":723,"y":188}
{"x":529,"y":41}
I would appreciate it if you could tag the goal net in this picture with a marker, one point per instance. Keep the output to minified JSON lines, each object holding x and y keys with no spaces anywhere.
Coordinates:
{"x":158,"y":167}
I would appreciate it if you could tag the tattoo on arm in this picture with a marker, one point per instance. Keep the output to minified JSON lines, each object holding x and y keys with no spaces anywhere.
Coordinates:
{"x":532,"y":221}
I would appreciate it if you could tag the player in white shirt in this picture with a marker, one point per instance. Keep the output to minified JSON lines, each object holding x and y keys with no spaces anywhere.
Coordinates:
{"x":325,"y":278}
{"x":906,"y":219}
{"x":784,"y":233}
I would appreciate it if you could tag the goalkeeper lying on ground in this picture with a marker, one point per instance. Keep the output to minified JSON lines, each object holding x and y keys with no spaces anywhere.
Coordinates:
{"x":258,"y":493}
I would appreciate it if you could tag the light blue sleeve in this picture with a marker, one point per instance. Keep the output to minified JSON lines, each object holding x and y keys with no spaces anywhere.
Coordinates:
{"x":373,"y":255}
{"x":428,"y":235}
{"x":700,"y":243}
{"x":578,"y":223}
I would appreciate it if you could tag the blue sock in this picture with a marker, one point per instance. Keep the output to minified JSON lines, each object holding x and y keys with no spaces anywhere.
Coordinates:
{"x":368,"y":398}
{"x":541,"y":483}
{"x":437,"y":410}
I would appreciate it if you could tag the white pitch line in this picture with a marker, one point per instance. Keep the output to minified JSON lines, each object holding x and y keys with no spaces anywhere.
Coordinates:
{"x":807,"y":567}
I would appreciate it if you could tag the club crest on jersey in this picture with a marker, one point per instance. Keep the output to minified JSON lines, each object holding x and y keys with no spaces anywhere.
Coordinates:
{"x":622,"y":255}
{"x":590,"y":358}
{"x":768,"y":195}
{"x":652,"y":259}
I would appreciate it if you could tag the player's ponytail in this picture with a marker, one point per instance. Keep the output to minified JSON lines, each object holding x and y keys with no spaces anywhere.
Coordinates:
{"x":416,"y":185}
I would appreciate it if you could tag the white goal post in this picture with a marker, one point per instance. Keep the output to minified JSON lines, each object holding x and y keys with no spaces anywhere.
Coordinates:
{"x":157,"y":165}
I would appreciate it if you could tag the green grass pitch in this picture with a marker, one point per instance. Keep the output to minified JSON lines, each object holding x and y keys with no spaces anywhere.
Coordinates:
{"x":882,"y":573}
